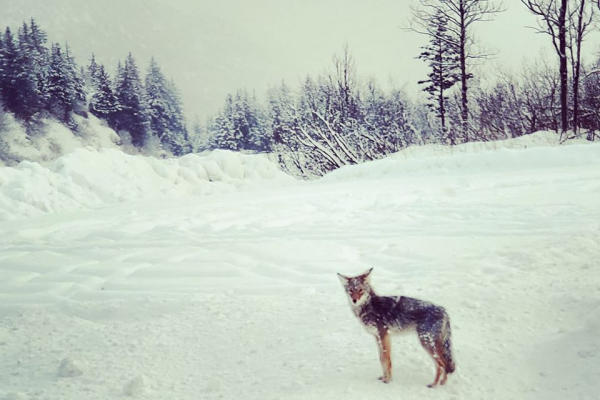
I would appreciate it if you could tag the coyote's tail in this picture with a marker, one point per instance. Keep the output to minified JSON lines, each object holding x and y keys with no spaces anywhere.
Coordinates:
{"x":447,"y":349}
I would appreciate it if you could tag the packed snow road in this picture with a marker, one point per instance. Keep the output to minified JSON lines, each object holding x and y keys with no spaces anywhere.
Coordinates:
{"x":232,"y":293}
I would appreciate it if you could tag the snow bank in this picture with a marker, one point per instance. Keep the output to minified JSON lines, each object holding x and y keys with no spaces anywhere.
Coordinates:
{"x":91,"y":178}
{"x":53,"y":140}
{"x":543,"y":151}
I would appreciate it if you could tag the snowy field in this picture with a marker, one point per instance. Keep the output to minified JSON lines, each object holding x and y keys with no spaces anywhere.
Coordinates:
{"x":213,"y":276}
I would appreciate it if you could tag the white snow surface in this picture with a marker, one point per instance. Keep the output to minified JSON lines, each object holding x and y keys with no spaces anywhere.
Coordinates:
{"x":213,"y":276}
{"x":87,"y":177}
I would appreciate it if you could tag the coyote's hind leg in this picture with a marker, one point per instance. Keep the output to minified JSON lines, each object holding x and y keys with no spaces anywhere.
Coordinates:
{"x":429,"y":343}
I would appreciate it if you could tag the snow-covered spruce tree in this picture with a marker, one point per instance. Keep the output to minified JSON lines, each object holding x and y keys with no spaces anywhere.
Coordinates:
{"x":2,"y":66}
{"x":179,"y":141}
{"x":164,"y":109}
{"x":103,"y":102}
{"x":132,"y":115}
{"x":40,"y":55}
{"x":25,"y":64}
{"x":65,"y":87}
{"x":92,"y":73}
{"x":248,"y":118}
{"x":280,"y":121}
{"x":77,"y":77}
{"x":59,"y":84}
{"x":240,"y":125}
{"x":442,"y":56}
{"x":223,"y":133}
{"x":8,"y":86}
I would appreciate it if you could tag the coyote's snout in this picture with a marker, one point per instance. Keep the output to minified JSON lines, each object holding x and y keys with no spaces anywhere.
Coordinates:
{"x":382,"y":315}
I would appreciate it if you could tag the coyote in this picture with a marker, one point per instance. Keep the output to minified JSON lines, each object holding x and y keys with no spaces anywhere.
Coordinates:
{"x":382,"y":315}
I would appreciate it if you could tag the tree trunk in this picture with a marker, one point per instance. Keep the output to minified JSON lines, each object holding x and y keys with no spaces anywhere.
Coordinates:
{"x":443,"y":117}
{"x":464,"y":112}
{"x":442,"y":104}
{"x":562,"y":39}
{"x":577,"y":71}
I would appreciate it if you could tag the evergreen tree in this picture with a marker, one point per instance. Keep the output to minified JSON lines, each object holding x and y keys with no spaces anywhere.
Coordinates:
{"x":179,"y":141}
{"x":93,"y":71}
{"x":40,"y":56}
{"x":132,"y":115}
{"x":77,"y":78}
{"x":280,"y":117}
{"x":2,"y":67}
{"x":164,"y":109}
{"x":223,"y":132}
{"x":258,"y":138}
{"x":8,"y":87}
{"x":103,"y":102}
{"x":241,"y":125}
{"x":24,"y":92}
{"x":61,"y":87}
{"x":443,"y":58}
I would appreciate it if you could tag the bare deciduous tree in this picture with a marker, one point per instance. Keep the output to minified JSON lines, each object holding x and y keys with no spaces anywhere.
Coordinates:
{"x":461,"y":15}
{"x":553,"y":21}
{"x":580,"y":18}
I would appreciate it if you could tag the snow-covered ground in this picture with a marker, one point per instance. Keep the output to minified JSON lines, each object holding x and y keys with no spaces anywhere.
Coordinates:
{"x":213,"y":276}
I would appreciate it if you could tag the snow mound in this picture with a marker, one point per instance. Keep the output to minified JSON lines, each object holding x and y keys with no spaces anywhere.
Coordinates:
{"x":543,"y":151}
{"x":69,"y":369}
{"x":91,"y":178}
{"x":53,"y":140}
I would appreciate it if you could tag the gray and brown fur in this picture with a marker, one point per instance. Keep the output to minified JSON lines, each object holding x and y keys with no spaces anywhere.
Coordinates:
{"x":382,"y":315}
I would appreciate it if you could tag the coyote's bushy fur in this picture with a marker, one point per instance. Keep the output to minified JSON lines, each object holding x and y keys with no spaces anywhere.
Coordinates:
{"x":382,"y":315}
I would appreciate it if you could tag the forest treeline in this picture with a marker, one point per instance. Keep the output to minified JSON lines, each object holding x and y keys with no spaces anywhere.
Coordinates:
{"x":38,"y":81}
{"x":335,"y":118}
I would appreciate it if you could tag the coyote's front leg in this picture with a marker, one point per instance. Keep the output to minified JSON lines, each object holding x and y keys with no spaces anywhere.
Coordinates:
{"x":384,"y":347}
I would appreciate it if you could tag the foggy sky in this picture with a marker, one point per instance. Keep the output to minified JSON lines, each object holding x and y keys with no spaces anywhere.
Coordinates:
{"x":211,"y":48}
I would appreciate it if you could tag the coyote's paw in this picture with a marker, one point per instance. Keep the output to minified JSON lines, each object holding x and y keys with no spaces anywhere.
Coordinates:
{"x":385,"y":379}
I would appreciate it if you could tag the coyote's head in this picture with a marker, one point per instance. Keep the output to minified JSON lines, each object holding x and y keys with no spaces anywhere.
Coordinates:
{"x":358,"y":288}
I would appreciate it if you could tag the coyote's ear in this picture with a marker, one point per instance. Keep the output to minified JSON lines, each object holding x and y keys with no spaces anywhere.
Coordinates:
{"x":365,"y":275}
{"x":343,"y":278}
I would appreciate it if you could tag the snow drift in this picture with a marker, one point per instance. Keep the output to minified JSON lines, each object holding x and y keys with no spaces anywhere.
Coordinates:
{"x":542,"y":149}
{"x":91,"y":178}
{"x":53,"y":140}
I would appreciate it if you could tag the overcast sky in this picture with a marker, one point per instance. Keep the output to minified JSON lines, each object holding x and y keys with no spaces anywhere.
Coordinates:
{"x":211,"y":48}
